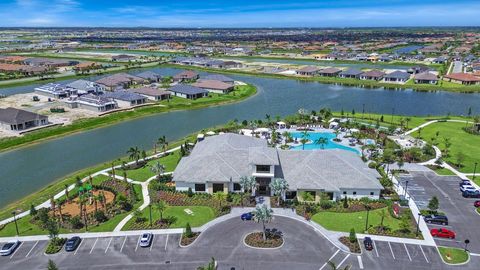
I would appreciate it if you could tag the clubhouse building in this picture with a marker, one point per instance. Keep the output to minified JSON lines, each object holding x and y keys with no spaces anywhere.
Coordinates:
{"x":217,"y":163}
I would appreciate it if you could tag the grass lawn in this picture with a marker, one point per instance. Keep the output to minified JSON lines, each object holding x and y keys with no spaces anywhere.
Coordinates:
{"x":456,"y":255}
{"x":143,"y":174}
{"x":461,"y":141}
{"x":443,"y":171}
{"x":344,"y":222}
{"x":201,"y":215}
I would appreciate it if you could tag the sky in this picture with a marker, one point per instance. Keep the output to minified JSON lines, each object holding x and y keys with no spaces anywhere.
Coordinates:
{"x":233,"y":13}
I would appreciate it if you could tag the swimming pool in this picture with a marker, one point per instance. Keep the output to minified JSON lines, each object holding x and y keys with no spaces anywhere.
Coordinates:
{"x":313,"y":136}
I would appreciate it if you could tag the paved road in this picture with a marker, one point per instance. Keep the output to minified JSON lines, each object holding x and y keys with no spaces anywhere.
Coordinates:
{"x":304,"y":248}
{"x":460,"y":211}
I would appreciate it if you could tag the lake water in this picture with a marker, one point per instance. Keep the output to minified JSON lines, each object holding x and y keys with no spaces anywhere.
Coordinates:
{"x":28,"y":169}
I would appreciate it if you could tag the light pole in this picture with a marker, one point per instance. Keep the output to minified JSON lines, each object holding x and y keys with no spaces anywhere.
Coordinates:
{"x":150,"y":209}
{"x":474,"y":171}
{"x":466,"y":244}
{"x":14,"y":213}
{"x":418,"y":223}
{"x":366,"y":222}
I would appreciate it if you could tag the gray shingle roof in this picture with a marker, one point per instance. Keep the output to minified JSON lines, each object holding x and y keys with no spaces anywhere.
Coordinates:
{"x":149,"y":75}
{"x":426,"y":76}
{"x":84,"y":85}
{"x":16,"y":116}
{"x":218,"y":77}
{"x":187,"y":89}
{"x":351,"y":72}
{"x":124,"y":95}
{"x":398,"y":75}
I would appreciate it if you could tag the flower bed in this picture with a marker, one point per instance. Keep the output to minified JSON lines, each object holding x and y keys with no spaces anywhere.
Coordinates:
{"x":185,"y":241}
{"x":55,"y":245}
{"x":354,"y":247}
{"x":255,"y":239}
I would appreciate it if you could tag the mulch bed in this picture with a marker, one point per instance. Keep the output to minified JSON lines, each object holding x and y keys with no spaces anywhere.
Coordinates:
{"x":354,"y":247}
{"x":256,"y":240}
{"x":188,"y":240}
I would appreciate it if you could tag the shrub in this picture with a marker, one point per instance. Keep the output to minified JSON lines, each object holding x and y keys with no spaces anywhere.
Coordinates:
{"x":55,"y":245}
{"x":188,"y":231}
{"x":33,"y":211}
{"x":100,"y":216}
{"x":345,"y":202}
{"x":138,"y":216}
{"x":372,"y":165}
{"x":353,"y":236}
{"x":326,"y":204}
{"x":76,"y":222}
{"x":190,"y":192}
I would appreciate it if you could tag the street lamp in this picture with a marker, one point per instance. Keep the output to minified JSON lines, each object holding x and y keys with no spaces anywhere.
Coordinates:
{"x":466,"y":244}
{"x":14,"y":213}
{"x":150,"y":208}
{"x":418,"y":223}
{"x":474,"y":171}
{"x":366,"y":222}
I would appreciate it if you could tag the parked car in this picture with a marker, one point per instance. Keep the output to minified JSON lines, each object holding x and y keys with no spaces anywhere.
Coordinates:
{"x":436,"y":219}
{"x":471,"y":194}
{"x":146,"y":239}
{"x":465,"y":182}
{"x":72,"y":243}
{"x":9,"y":248}
{"x":476,"y":204}
{"x":247,"y":216}
{"x":467,"y":187}
{"x":368,"y":243}
{"x":443,"y":233}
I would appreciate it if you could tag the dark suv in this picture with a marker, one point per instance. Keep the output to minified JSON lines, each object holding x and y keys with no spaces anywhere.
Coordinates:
{"x":471,"y":194}
{"x":436,"y":219}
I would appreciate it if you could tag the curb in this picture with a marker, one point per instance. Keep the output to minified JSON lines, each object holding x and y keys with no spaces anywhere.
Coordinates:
{"x":191,"y":244}
{"x":259,"y":248}
{"x":454,"y":264}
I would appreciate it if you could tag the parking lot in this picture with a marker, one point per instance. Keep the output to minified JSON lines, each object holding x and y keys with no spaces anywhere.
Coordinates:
{"x":460,"y":211}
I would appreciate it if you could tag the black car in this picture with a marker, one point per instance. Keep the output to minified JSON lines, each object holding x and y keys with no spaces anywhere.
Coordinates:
{"x":436,"y":219}
{"x":368,"y":243}
{"x":471,"y":194}
{"x":72,"y":243}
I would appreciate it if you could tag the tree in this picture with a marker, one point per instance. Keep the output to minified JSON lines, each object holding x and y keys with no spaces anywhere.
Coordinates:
{"x":382,"y":214}
{"x":158,"y":169}
{"x":460,"y":159}
{"x":307,"y":196}
{"x":352,"y":237}
{"x":161,"y":206}
{"x":279,"y":187}
{"x":304,"y":139}
{"x":52,"y":228}
{"x":405,"y":222}
{"x":345,"y":202}
{"x":162,"y":142}
{"x":447,"y":143}
{"x":333,"y":266}
{"x":212,"y":265}
{"x":188,"y":231}
{"x":33,"y":210}
{"x":51,"y":265}
{"x":263,"y":214}
{"x":433,"y":204}
{"x":247,"y":183}
{"x":66,"y":192}
{"x":287,"y":137}
{"x":322,"y":142}
{"x":220,"y":197}
{"x":134,"y":154}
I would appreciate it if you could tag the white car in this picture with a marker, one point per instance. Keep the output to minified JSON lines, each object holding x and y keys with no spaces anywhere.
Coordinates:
{"x":467,"y":188}
{"x":146,"y":240}
{"x":9,"y":248}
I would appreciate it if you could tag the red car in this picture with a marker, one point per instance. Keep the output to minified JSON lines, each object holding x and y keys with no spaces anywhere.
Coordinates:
{"x":443,"y":233}
{"x":476,"y":204}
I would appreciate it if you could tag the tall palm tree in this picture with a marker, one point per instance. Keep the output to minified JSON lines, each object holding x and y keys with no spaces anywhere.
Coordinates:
{"x":287,"y":136}
{"x":322,"y":142}
{"x":134,"y":154}
{"x":247,"y":183}
{"x":66,"y":192}
{"x":407,"y":119}
{"x":304,"y":139}
{"x":52,"y":206}
{"x":279,"y":187}
{"x":113,"y":170}
{"x":162,"y":142}
{"x":220,"y":197}
{"x":161,"y":206}
{"x":101,"y":199}
{"x":158,"y":169}
{"x":263,"y":214}
{"x":59,"y":207}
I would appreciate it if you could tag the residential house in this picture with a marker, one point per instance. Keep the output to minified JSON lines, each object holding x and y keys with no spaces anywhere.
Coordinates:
{"x":96,"y":103}
{"x":217,"y":163}
{"x":374,"y":75}
{"x":396,"y":77}
{"x":152,"y":93}
{"x":126,"y":98}
{"x":123,"y":58}
{"x":351,"y":73}
{"x":12,"y":59}
{"x":426,"y":77}
{"x":188,"y":91}
{"x":50,"y":63}
{"x":308,"y":71}
{"x":186,"y":75}
{"x":120,"y":80}
{"x":85,"y":87}
{"x":219,"y":77}
{"x":214,"y":86}
{"x":18,"y":120}
{"x":329,"y":72}
{"x":56,"y":90}
{"x":418,"y":69}
{"x":150,"y":76}
{"x":462,"y":78}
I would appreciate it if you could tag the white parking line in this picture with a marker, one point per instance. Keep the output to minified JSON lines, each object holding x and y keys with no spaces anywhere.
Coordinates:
{"x":375,"y":247}
{"x":408,"y":253}
{"x":138,"y":242}
{"x":91,"y":250}
{"x":109,"y":242}
{"x":344,"y":259}
{"x":360,"y":262}
{"x":166,"y":243}
{"x":125,"y":240}
{"x":15,"y":252}
{"x":391,"y":250}
{"x":424,"y":254}
{"x":153,"y":241}
{"x":325,"y":264}
{"x":31,"y":249}
{"x":79,"y":245}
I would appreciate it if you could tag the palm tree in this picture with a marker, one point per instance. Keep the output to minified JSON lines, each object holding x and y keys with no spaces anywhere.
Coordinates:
{"x":333,"y":266}
{"x":158,"y":169}
{"x":304,"y":138}
{"x":447,"y":143}
{"x":101,"y":198}
{"x":66,"y":192}
{"x":407,"y":119}
{"x":322,"y":142}
{"x":336,"y":132}
{"x":382,"y":214}
{"x":125,"y":176}
{"x":212,"y":265}
{"x":279,"y":187}
{"x":264,"y":215}
{"x":287,"y":136}
{"x":59,"y":206}
{"x":162,"y":142}
{"x":52,"y":205}
{"x":113,"y":170}
{"x":247,"y":183}
{"x":220,"y":197}
{"x":161,"y":206}
{"x":134,"y":154}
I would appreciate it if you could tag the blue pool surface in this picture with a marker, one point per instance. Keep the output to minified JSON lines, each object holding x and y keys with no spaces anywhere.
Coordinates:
{"x":313,"y":136}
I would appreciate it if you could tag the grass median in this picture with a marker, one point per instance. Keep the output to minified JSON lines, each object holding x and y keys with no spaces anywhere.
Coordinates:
{"x":453,"y":255}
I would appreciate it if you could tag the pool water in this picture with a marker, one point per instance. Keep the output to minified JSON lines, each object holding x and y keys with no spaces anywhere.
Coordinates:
{"x":313,"y":136}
